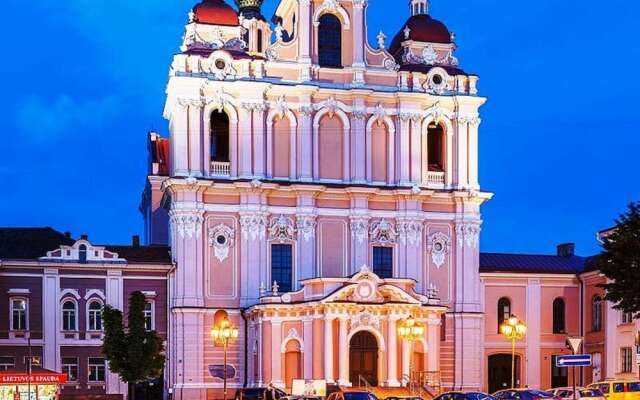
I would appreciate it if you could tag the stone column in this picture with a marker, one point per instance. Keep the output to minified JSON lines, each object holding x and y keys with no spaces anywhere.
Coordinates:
{"x":245,"y":130}
{"x":260,"y":374}
{"x":392,"y":352}
{"x":306,"y":225}
{"x":305,"y":155}
{"x":253,"y":226}
{"x":359,"y":226}
{"x":276,"y":353}
{"x":187,"y":233}
{"x":195,"y":140}
{"x":359,"y":150}
{"x":406,"y":359}
{"x":416,"y":149}
{"x":304,"y":34}
{"x":473,"y":153}
{"x":343,"y":349}
{"x":259,"y":152}
{"x":179,"y":128}
{"x":328,"y":350}
{"x":433,"y":341}
{"x":461,"y":176}
{"x":308,"y":347}
{"x":403,"y":159}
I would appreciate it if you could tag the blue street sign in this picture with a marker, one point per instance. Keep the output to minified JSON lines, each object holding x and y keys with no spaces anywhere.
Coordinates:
{"x":578,"y":360}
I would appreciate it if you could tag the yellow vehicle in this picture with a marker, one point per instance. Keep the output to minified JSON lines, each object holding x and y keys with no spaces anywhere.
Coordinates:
{"x":618,"y":390}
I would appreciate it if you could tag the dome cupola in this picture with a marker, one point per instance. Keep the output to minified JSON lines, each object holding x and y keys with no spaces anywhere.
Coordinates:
{"x":214,"y":12}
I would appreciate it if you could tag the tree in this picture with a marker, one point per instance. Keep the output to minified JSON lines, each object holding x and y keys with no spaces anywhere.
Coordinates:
{"x":620,"y":262}
{"x":133,"y":353}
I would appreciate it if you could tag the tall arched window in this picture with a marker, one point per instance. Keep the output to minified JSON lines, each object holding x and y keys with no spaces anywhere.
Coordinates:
{"x":330,"y":42}
{"x":596,"y":314}
{"x":82,"y":253}
{"x":559,"y":316}
{"x":95,"y":315}
{"x":435,"y":148}
{"x":504,"y":311}
{"x":69,"y":316}
{"x":259,"y":40}
{"x":219,"y":136}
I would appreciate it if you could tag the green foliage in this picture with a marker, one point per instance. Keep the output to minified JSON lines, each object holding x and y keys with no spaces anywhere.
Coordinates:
{"x":133,"y":353}
{"x":620,"y":262}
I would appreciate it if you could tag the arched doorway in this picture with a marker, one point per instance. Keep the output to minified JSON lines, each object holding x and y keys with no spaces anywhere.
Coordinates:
{"x":292,"y":363}
{"x":363,"y":358}
{"x":500,"y":372}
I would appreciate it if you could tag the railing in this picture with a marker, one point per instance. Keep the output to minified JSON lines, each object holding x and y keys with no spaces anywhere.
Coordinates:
{"x":434,"y":178}
{"x":219,"y":168}
{"x":366,"y":386}
{"x":428,"y":381}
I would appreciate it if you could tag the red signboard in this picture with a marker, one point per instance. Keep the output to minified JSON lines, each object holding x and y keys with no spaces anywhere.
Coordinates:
{"x":36,"y":379}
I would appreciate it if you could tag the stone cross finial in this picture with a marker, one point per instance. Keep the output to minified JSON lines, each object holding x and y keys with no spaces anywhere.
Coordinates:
{"x":274,"y":288}
{"x":262,"y":290}
{"x":407,"y":32}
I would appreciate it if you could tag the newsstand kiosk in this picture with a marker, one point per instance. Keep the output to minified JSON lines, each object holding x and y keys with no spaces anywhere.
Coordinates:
{"x":40,"y":384}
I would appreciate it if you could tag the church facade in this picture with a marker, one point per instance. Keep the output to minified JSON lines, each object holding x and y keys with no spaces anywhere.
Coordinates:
{"x":317,"y":192}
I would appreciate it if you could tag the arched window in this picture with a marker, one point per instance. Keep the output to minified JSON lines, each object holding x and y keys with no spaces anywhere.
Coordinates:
{"x":559,"y":316}
{"x":82,"y":253}
{"x":596,"y":314}
{"x":95,"y":315}
{"x":330,"y":42}
{"x":219,"y":136}
{"x":435,"y":147}
{"x":504,"y":311}
{"x":69,"y":316}
{"x":259,"y":41}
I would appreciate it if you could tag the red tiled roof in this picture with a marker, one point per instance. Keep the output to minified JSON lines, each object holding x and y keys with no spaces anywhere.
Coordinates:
{"x":215,"y":12}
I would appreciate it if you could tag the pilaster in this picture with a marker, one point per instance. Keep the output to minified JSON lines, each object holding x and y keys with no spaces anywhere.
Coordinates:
{"x":343,"y":350}
{"x":392,"y":353}
{"x":195,"y":139}
{"x":328,"y":350}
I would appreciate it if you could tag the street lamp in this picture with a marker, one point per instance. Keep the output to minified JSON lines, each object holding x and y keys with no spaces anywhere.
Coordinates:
{"x":513,"y":329}
{"x":224,"y":334}
{"x":411,"y":331}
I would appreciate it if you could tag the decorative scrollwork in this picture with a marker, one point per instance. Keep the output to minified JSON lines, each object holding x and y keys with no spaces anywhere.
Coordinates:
{"x":221,"y":238}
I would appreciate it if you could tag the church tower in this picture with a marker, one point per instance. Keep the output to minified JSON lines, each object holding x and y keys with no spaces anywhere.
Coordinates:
{"x":320,"y":190}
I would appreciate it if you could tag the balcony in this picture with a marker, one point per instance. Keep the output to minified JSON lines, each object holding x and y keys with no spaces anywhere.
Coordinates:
{"x":434,"y":179}
{"x":220,"y":169}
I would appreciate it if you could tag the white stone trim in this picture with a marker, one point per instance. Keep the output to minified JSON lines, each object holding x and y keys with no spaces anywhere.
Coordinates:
{"x":95,"y":292}
{"x":292,"y":335}
{"x":332,"y":7}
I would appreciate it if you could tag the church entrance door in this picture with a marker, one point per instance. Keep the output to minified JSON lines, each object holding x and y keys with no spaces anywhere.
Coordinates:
{"x":363,"y":358}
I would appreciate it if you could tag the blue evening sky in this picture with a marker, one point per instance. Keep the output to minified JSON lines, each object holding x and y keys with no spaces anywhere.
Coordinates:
{"x":83,"y":81}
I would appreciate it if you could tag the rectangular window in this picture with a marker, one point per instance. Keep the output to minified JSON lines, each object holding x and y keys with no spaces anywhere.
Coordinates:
{"x":282,"y":266}
{"x":70,"y":367}
{"x":627,"y":318}
{"x":7,"y":363}
{"x":19,"y":315}
{"x":96,"y":369}
{"x":383,"y":262}
{"x":148,"y":316}
{"x":626,"y":355}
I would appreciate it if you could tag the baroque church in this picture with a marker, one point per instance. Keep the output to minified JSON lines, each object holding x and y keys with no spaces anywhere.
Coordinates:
{"x":317,"y":191}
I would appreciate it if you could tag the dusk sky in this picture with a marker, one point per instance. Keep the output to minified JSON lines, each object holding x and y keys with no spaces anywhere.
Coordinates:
{"x":83,"y":82}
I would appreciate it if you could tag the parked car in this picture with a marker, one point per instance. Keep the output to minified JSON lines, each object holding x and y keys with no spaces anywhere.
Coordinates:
{"x":355,"y":395}
{"x":404,"y":398}
{"x":524,"y":394}
{"x":259,"y":394}
{"x":618,"y":390}
{"x":581,"y":393}
{"x":465,"y":396}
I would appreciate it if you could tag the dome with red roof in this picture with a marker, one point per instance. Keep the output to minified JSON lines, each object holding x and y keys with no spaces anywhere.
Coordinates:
{"x":422,"y":28}
{"x":215,"y":12}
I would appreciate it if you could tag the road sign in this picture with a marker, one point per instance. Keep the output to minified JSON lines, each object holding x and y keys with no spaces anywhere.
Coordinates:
{"x":575,"y":343}
{"x":578,"y":360}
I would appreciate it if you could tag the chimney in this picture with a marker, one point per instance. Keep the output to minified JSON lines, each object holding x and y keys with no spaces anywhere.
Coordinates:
{"x":67,"y":235}
{"x":135,"y":241}
{"x":567,"y":250}
{"x":84,"y":237}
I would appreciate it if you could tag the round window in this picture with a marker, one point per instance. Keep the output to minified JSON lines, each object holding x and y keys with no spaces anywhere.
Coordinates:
{"x":437,"y":80}
{"x":438,"y":247}
{"x":221,"y":64}
{"x":221,"y":240}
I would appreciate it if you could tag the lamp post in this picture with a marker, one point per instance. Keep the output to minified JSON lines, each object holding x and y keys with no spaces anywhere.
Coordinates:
{"x":411,"y":331}
{"x":224,"y":334}
{"x":513,"y":329}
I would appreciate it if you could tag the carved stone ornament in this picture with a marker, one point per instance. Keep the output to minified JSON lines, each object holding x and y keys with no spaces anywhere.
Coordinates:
{"x":271,"y":55}
{"x":468,"y":234}
{"x":366,"y":320}
{"x":331,"y":104}
{"x":282,"y":229}
{"x":380,"y":114}
{"x":219,"y":64}
{"x":391,"y":65}
{"x":306,"y":225}
{"x":410,"y":232}
{"x":280,"y":106}
{"x":221,"y":238}
{"x":187,"y":223}
{"x":439,"y":246}
{"x":253,"y":225}
{"x":359,"y":229}
{"x":383,"y":232}
{"x":429,"y":55}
